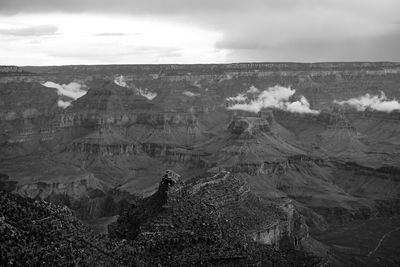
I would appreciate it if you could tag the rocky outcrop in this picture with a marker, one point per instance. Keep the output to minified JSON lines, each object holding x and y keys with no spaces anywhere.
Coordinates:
{"x":26,"y":113}
{"x":102,"y":149}
{"x":12,"y":71}
{"x":75,"y":188}
{"x":104,"y":142}
{"x":5,"y":183}
{"x":186,"y":156}
{"x":87,"y":197}
{"x":219,"y":203}
{"x":274,"y":167}
{"x":371,"y":114}
{"x":247,"y":127}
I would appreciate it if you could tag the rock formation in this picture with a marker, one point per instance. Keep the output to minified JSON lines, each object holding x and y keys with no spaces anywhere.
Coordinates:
{"x":217,"y":216}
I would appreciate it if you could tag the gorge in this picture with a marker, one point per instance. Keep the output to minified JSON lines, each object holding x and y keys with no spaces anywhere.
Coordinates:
{"x":284,"y":180}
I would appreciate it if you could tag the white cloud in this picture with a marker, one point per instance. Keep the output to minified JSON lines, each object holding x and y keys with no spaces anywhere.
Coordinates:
{"x":121,"y":81}
{"x":239,"y":98}
{"x":144,"y":40}
{"x":146,"y":93}
{"x":374,"y":102}
{"x":190,"y":94}
{"x":72,"y":90}
{"x":253,"y":90}
{"x":64,"y":104}
{"x":300,"y":106}
{"x":273,"y":97}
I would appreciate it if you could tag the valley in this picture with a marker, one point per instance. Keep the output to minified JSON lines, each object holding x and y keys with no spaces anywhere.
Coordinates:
{"x":266,"y":146}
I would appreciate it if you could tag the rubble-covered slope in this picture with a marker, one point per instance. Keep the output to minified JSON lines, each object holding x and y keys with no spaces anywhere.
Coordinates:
{"x":36,"y":233}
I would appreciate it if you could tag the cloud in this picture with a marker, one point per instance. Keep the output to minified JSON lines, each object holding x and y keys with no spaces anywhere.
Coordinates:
{"x":300,"y":106}
{"x":253,"y":90}
{"x":40,"y":30}
{"x":64,"y":104}
{"x":382,"y":46}
{"x":97,"y":50}
{"x":72,"y":90}
{"x":254,"y":30}
{"x":190,"y":94}
{"x":374,"y":102}
{"x":147,"y":93}
{"x":274,"y":97}
{"x":110,"y":34}
{"x":239,"y":98}
{"x":174,"y":7}
{"x":121,"y":81}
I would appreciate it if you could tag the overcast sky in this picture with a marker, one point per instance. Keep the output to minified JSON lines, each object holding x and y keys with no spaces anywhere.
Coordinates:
{"x":52,"y":32}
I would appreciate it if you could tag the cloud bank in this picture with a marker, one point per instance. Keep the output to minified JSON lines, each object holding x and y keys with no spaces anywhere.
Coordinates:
{"x":40,"y":30}
{"x":374,"y":102}
{"x":274,"y":97}
{"x":302,"y":30}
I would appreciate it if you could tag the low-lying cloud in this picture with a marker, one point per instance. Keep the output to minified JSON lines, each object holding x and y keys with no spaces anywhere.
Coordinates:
{"x":253,"y":90}
{"x":190,"y":94}
{"x":274,"y":97}
{"x":121,"y":81}
{"x":239,"y":98}
{"x":374,"y":102}
{"x":64,"y":104}
{"x":146,"y":93}
{"x":73,"y":91}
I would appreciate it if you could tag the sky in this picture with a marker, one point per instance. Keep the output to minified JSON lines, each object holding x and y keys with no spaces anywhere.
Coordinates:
{"x":53,"y":32}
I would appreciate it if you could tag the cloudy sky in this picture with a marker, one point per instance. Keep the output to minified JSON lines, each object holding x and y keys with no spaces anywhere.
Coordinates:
{"x":53,"y":32}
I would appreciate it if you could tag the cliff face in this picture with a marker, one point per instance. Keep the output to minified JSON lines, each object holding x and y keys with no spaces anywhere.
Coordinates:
{"x":76,"y":189}
{"x":12,"y":71}
{"x":249,"y":142}
{"x":25,"y":110}
{"x":219,"y":212}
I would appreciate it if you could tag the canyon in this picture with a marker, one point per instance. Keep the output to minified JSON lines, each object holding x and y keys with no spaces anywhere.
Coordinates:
{"x":295,"y":175}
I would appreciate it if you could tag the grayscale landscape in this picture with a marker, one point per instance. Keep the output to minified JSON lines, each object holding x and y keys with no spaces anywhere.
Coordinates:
{"x":171,"y":154}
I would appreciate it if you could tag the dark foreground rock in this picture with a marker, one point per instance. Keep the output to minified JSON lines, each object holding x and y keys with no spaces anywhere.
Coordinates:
{"x":36,"y":233}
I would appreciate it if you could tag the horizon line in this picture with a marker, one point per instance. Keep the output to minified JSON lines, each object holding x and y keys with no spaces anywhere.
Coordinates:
{"x":189,"y":64}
